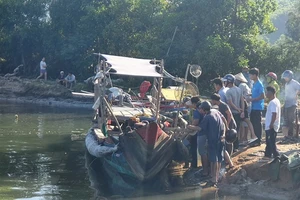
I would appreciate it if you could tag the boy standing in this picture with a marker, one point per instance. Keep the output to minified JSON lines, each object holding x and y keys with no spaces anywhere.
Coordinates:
{"x":272,"y":122}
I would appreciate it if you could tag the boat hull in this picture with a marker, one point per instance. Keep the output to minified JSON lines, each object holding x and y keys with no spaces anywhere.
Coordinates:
{"x":142,"y":157}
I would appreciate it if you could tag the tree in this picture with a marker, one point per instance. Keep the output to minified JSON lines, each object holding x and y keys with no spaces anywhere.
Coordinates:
{"x":293,"y":23}
{"x":218,"y":35}
{"x":21,"y":22}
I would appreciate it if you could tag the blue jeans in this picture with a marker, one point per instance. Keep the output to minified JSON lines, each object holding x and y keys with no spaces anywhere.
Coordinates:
{"x":271,"y":148}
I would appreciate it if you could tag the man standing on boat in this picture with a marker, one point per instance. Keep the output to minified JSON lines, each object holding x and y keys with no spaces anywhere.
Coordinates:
{"x":196,"y":119}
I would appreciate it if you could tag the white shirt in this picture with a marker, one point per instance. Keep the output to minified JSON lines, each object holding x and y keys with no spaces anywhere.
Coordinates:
{"x":273,"y":107}
{"x":70,"y":78}
{"x":43,"y":65}
{"x":291,"y":93}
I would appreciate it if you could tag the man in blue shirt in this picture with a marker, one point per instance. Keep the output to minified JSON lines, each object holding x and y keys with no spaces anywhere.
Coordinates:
{"x":257,"y":100}
{"x":212,"y":126}
{"x":197,"y":118}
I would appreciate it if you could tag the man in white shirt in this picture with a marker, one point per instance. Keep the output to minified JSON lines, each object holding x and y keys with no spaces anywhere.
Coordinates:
{"x":292,"y":90}
{"x":70,"y":80}
{"x":220,"y":88}
{"x":43,"y":69}
{"x":272,"y":122}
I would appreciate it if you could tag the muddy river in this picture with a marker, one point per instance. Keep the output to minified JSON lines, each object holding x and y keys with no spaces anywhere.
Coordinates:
{"x":39,"y":158}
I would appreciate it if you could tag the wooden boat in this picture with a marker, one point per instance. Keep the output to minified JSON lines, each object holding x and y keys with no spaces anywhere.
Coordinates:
{"x":129,"y":147}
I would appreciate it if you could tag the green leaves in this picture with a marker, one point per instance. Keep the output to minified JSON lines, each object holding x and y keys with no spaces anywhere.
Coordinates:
{"x":219,"y":35}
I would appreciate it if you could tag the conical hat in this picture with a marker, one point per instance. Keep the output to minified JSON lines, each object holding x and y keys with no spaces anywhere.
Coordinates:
{"x":241,"y":77}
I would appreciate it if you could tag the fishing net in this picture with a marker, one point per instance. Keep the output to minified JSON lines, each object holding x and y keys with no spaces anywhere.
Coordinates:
{"x":142,"y":155}
{"x":147,"y":150}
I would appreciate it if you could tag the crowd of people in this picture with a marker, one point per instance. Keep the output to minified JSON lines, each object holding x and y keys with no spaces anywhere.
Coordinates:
{"x":68,"y":81}
{"x":236,"y":107}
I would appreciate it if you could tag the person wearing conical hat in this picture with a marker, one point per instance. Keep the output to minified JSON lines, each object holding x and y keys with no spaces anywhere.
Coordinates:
{"x":245,"y":72}
{"x":241,"y":82}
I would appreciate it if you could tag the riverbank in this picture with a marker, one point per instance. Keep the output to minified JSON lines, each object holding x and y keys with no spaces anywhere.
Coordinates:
{"x":47,"y":93}
{"x":255,"y":177}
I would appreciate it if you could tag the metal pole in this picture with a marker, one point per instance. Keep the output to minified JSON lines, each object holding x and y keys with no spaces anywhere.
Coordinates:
{"x":112,"y":114}
{"x":159,"y":91}
{"x":172,"y":41}
{"x":181,"y":95}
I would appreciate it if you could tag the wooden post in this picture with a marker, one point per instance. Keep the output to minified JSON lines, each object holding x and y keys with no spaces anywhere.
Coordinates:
{"x":181,"y":95}
{"x":297,"y":123}
{"x":160,"y":79}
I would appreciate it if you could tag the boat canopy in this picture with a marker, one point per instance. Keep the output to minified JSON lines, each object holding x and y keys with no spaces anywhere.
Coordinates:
{"x":171,"y":94}
{"x":132,"y":66}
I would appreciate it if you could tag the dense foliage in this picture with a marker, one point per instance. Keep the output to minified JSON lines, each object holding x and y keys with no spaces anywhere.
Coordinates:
{"x":219,"y":35}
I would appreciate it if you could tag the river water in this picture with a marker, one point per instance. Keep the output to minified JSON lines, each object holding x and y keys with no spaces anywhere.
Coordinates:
{"x":39,"y":158}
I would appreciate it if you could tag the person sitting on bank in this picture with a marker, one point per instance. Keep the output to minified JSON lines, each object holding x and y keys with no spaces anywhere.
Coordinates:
{"x":61,"y":78}
{"x":70,"y":80}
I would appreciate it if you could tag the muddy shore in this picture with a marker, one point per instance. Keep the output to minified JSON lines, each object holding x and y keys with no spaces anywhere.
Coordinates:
{"x":250,"y":178}
{"x":47,"y":93}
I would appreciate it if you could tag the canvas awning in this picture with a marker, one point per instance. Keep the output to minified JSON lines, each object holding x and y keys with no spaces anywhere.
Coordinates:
{"x":131,"y":66}
{"x":171,"y":94}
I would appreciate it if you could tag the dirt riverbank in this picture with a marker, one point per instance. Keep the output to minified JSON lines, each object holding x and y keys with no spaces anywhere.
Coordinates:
{"x":41,"y":92}
{"x":251,"y":177}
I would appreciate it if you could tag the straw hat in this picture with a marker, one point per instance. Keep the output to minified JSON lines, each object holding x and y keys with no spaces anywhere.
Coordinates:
{"x":241,"y":77}
{"x":188,"y":103}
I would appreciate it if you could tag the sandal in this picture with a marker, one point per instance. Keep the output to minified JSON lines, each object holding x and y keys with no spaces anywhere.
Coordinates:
{"x":210,"y":184}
